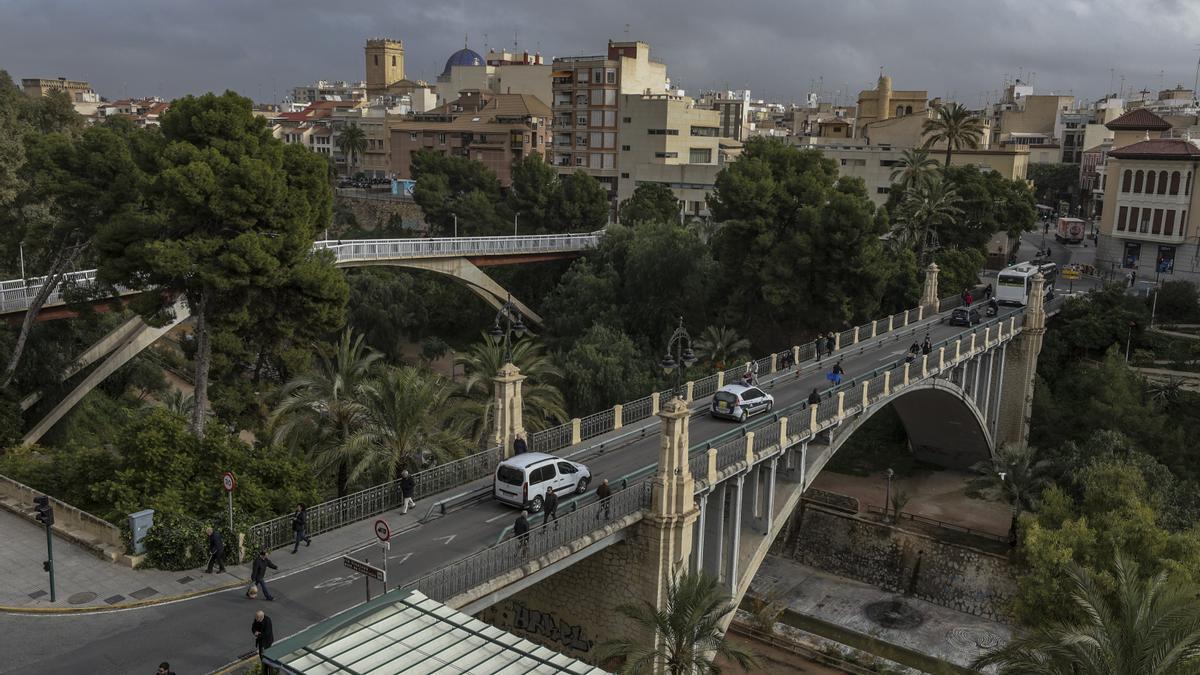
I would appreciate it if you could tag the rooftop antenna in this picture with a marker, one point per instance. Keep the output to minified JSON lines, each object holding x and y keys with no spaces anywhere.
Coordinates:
{"x":485,"y":43}
{"x":514,"y":40}
{"x":627,"y":31}
{"x":1196,"y":82}
{"x":1160,"y":80}
{"x":1111,"y":76}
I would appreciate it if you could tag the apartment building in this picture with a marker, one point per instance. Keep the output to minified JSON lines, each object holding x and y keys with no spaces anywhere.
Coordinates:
{"x":502,"y":72}
{"x":323,"y":90}
{"x":495,"y":129}
{"x":78,"y":90}
{"x":586,"y":106}
{"x":1149,"y":201}
{"x":670,"y":140}
{"x":883,"y":102}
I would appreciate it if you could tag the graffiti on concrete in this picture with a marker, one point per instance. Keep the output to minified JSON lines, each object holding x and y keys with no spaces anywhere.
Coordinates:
{"x":546,"y":625}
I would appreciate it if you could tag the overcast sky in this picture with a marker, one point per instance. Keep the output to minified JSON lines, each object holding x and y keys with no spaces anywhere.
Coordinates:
{"x":961,"y":49}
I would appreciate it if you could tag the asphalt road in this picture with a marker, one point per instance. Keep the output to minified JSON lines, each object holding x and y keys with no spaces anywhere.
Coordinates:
{"x":204,"y":633}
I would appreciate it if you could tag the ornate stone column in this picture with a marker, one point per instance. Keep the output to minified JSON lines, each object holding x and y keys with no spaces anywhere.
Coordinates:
{"x":929,"y":294}
{"x":508,"y":405}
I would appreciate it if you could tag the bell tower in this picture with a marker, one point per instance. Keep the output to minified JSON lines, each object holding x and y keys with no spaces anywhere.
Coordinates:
{"x":384,"y":64}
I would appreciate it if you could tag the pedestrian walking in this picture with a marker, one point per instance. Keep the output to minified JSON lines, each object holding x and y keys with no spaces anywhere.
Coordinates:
{"x":604,"y":494}
{"x":1132,"y":278}
{"x":835,"y":375}
{"x":164,"y":668}
{"x":407,"y":485}
{"x":987,"y":292}
{"x":830,"y":343}
{"x":926,"y":346}
{"x":520,"y":447}
{"x":521,"y":531}
{"x":216,"y":550}
{"x":300,"y":527}
{"x":258,"y":575}
{"x":550,"y":506}
{"x":967,"y":298}
{"x":912,"y":353}
{"x":264,"y":634}
{"x":814,"y":398}
{"x":819,"y":344}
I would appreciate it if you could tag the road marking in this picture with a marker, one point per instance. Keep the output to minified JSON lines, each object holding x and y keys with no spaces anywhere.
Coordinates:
{"x":402,"y":558}
{"x":495,"y":518}
{"x":336,"y":582}
{"x":447,"y":539}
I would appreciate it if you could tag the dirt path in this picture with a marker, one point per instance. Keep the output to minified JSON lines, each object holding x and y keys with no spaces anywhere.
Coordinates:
{"x":934,"y":494}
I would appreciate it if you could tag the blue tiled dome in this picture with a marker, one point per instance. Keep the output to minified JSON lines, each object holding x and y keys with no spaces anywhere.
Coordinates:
{"x":463,"y":57}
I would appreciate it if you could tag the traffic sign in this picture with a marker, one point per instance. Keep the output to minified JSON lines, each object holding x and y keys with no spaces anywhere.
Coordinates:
{"x":364,"y":568}
{"x":228,"y":481}
{"x":382,"y":530}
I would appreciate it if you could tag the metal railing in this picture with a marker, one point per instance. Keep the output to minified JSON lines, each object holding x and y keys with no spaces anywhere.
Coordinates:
{"x":933,"y":522}
{"x":16,"y":294}
{"x":596,"y":424}
{"x":335,"y":513}
{"x":477,"y":569}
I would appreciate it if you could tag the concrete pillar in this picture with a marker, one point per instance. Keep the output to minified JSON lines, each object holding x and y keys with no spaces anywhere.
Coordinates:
{"x":999,"y":393}
{"x":973,"y":343}
{"x":735,"y":533}
{"x":892,"y":323}
{"x":855,"y":336}
{"x":924,"y":365}
{"x":509,"y":406}
{"x":654,"y":403}
{"x":987,"y":337}
{"x":958,"y":350}
{"x":906,"y":318}
{"x":712,"y":465}
{"x":699,"y":535}
{"x":866,"y":385}
{"x":837,"y":340}
{"x":720,"y":379}
{"x":975,"y":385}
{"x":796,"y":356}
{"x":874,"y":327}
{"x":576,"y":436}
{"x":668,"y":526}
{"x":771,"y":473}
{"x":803,"y":466}
{"x":920,"y":313}
{"x":750,"y":448}
{"x":755,"y":493}
{"x":618,"y":413}
{"x":714,"y":531}
{"x":987,"y":388}
{"x":929,"y":293}
{"x":1021,"y":364}
{"x":774,"y":363}
{"x":812,"y":419}
{"x":689,"y":388}
{"x":906,"y":373}
{"x":783,"y":432}
{"x":941,"y":358}
{"x":841,"y":404}
{"x":887,"y":383}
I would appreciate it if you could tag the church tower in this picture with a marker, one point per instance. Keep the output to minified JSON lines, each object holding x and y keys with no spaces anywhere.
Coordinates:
{"x":385,"y":64}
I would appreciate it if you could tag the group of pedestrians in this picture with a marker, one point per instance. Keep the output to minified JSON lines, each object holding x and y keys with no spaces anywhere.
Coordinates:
{"x":550,"y":513}
{"x":825,"y":344}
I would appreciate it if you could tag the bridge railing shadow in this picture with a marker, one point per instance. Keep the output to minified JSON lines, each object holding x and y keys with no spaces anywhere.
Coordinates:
{"x":515,"y":550}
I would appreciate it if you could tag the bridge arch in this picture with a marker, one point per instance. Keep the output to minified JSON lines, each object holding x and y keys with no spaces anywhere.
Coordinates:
{"x":955,"y":435}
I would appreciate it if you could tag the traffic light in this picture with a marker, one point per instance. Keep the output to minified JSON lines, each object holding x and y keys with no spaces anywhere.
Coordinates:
{"x":45,"y":514}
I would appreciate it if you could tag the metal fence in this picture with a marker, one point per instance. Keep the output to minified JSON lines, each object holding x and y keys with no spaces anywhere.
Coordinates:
{"x":357,"y":250}
{"x":635,"y":411}
{"x":335,"y":513}
{"x":477,"y":569}
{"x":596,"y":424}
{"x":17,"y":294}
{"x":549,"y":440}
{"x":698,"y":464}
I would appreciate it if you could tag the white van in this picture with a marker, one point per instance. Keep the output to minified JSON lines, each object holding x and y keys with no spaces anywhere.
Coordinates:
{"x":522,"y":480}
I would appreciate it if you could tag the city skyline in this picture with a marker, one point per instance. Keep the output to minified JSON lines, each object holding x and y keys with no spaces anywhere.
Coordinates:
{"x":778,"y":51}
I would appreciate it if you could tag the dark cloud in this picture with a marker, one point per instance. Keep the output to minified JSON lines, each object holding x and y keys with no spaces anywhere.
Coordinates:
{"x":777,"y":48}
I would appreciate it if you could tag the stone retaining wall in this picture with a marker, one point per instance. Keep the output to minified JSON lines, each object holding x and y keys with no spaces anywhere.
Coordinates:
{"x":375,"y":213}
{"x":92,"y":532}
{"x":959,"y":577}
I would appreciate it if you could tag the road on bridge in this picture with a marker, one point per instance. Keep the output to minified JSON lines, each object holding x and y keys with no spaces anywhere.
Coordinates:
{"x":204,"y":633}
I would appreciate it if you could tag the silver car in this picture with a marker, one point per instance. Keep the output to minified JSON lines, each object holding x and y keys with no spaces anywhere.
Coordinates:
{"x":737,"y":402}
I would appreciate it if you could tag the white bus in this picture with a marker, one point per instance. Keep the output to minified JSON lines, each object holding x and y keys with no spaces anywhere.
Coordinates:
{"x":1012,"y":283}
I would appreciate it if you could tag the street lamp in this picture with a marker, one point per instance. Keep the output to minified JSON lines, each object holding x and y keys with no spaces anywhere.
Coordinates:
{"x":515,"y":216}
{"x":681,"y":344}
{"x":513,"y":326}
{"x":455,"y":215}
{"x":887,"y":500}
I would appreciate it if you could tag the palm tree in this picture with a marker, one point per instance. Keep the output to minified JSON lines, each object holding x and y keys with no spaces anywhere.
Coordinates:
{"x":719,"y":344}
{"x":1142,"y":626}
{"x":178,"y":403}
{"x":687,"y":633}
{"x":321,"y":411}
{"x":405,"y":410}
{"x":544,"y":404}
{"x":914,"y":167}
{"x":956,"y":126}
{"x":927,"y":206}
{"x":1017,"y":476}
{"x":352,"y":141}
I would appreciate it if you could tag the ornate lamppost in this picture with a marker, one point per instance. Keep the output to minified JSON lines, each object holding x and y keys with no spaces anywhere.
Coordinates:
{"x":683,"y":357}
{"x":513,"y":327}
{"x":509,"y":420}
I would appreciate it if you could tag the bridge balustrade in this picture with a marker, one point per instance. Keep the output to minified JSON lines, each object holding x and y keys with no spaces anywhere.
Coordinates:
{"x":479,"y":568}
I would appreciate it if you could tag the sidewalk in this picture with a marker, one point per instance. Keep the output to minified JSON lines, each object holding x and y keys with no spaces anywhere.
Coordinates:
{"x":943,"y":634}
{"x":81,"y":579}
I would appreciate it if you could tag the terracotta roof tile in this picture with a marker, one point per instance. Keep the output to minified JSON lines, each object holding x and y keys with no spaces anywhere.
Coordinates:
{"x":1139,"y":120}
{"x":1158,"y":148}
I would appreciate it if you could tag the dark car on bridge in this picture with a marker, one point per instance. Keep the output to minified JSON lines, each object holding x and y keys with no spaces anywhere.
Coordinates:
{"x":965,"y":316}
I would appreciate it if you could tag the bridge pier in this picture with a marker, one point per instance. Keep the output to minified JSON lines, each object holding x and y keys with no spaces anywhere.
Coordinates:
{"x":1016,"y":390}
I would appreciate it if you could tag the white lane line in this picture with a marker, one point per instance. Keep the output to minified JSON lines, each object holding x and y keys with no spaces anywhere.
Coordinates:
{"x":447,"y":539}
{"x":402,"y":558}
{"x":495,"y":518}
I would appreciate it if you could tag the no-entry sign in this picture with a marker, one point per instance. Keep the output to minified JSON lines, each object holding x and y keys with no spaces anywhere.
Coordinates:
{"x":382,"y":530}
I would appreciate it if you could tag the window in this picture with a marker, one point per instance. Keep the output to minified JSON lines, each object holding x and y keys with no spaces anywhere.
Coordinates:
{"x":610,"y":160}
{"x":597,"y":97}
{"x":598,"y":75}
{"x":597,"y":118}
{"x":1137,"y":181}
{"x":1126,"y":180}
{"x":908,"y":110}
{"x":610,"y":75}
{"x":596,"y":161}
{"x":899,"y":110}
{"x":581,"y":75}
{"x":541,"y":474}
{"x":610,"y":97}
{"x":1187,"y":184}
{"x":565,"y":468}
{"x":1169,"y":223}
{"x":376,"y":57}
{"x":597,"y":140}
{"x":441,"y":138}
{"x":1156,"y":227}
{"x":1150,"y":176}
{"x":888,"y":162}
{"x":1162,"y":182}
{"x":1122,"y":215}
{"x":625,"y":148}
{"x":626,"y":120}
{"x":663,"y":132}
{"x":700,"y":155}
{"x":581,"y":140}
{"x":883,"y":190}
{"x":1174,"y":182}
{"x":624,"y":175}
{"x":610,"y":118}
{"x":393,"y":62}
{"x":580,"y":160}
{"x":581,"y":120}
{"x":706,"y":131}
{"x":666,"y":155}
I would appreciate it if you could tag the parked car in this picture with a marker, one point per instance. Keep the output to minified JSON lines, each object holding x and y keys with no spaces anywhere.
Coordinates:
{"x":522,"y":480}
{"x":737,"y":402}
{"x":965,"y":316}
